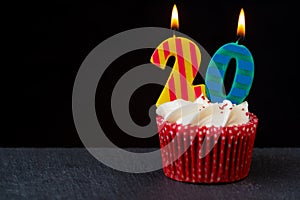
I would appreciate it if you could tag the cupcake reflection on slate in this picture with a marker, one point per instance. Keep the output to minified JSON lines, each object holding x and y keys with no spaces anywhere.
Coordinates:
{"x":209,"y":139}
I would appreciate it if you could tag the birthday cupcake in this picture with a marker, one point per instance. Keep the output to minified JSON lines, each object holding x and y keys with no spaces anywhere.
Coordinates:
{"x":204,"y":142}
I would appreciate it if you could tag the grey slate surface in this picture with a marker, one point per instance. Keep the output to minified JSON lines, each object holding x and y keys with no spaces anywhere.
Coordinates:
{"x":72,"y":173}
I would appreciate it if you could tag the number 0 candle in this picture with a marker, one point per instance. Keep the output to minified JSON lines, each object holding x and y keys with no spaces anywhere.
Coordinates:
{"x":218,"y":65}
{"x":187,"y":61}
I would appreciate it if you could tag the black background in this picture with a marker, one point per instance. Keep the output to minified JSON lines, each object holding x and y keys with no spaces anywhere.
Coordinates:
{"x":48,"y":41}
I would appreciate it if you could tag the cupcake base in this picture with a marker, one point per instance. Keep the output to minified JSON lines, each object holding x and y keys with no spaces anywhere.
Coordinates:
{"x":206,"y":154}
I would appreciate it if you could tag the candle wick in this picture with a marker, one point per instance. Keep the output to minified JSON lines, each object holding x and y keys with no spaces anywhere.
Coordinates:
{"x":174,"y":33}
{"x":240,"y":38}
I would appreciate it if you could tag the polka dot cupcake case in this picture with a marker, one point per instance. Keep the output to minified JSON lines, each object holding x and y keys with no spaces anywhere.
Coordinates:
{"x":206,"y":154}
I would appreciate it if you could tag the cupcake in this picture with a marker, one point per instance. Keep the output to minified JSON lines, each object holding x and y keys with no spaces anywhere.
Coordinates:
{"x":204,"y":142}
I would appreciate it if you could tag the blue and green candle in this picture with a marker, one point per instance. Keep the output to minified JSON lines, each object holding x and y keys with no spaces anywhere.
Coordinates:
{"x":219,"y":63}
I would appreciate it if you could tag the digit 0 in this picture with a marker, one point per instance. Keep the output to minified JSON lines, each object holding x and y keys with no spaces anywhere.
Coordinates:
{"x":216,"y":71}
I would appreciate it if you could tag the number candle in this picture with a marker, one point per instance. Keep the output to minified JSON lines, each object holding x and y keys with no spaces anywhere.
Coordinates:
{"x":186,"y":66}
{"x":218,"y":65}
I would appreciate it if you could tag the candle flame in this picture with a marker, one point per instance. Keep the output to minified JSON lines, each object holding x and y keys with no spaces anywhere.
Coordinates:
{"x":174,"y":18}
{"x":241,"y":30}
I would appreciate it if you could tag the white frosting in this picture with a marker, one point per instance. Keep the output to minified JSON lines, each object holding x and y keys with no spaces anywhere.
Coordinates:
{"x":203,"y":113}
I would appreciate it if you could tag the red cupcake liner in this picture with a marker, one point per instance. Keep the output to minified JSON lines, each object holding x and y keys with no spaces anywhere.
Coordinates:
{"x":206,"y":154}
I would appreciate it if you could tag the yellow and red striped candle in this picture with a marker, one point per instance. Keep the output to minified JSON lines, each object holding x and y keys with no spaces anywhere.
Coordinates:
{"x":187,"y":61}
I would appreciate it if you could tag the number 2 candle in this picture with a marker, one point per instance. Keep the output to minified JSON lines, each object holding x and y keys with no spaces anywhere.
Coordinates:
{"x":187,"y":61}
{"x":219,"y":63}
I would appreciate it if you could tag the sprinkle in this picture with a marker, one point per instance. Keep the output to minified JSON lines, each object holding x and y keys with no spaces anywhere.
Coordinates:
{"x":222,"y":107}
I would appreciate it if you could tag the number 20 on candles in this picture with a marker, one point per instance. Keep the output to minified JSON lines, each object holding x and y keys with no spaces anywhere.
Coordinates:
{"x":188,"y":59}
